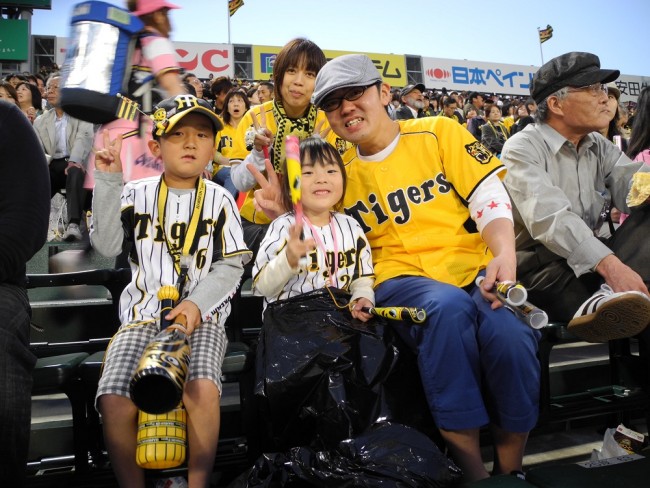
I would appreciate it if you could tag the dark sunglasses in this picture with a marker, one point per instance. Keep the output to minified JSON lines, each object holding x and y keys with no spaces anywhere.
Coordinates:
{"x":355,"y":93}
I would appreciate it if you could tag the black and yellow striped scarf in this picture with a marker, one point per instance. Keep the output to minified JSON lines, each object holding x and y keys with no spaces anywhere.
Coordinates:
{"x":302,"y":127}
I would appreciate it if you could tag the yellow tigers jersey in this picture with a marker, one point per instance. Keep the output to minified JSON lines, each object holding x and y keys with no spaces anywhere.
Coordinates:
{"x":224,"y":140}
{"x":412,"y":205}
{"x":239,"y":151}
{"x":508,"y":122}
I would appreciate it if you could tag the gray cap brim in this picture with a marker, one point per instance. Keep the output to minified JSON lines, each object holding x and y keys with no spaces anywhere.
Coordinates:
{"x":349,"y":70}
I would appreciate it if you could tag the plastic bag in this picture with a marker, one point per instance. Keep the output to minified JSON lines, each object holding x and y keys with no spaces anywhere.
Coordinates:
{"x":619,"y":442}
{"x":388,"y":456}
{"x":58,"y":217}
{"x":327,"y":377}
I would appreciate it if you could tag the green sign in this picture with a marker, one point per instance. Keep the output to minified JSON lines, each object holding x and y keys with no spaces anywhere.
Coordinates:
{"x":46,"y":4}
{"x":14,"y":40}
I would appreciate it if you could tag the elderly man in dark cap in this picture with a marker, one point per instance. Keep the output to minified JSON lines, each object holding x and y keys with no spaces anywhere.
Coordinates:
{"x":412,"y":98}
{"x":563,"y":176}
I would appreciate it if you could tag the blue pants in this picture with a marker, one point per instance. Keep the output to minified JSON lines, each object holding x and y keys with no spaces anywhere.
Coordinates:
{"x":222,"y":177}
{"x":478,"y":365}
{"x":16,"y":365}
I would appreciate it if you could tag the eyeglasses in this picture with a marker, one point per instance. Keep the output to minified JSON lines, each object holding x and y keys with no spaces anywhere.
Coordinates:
{"x":354,"y":93}
{"x":594,"y":89}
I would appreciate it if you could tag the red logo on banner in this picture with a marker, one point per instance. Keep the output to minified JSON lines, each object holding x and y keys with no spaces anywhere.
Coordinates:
{"x":213,"y":60}
{"x":438,"y":74}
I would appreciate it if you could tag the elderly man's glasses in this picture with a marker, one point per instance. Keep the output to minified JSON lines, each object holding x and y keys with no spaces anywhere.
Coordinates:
{"x":594,"y":89}
{"x":355,"y":93}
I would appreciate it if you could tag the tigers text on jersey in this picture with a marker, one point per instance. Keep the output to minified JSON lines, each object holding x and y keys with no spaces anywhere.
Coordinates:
{"x":412,"y":204}
{"x":239,"y":151}
{"x":219,"y":236}
{"x":224,"y":139}
{"x":354,"y":258}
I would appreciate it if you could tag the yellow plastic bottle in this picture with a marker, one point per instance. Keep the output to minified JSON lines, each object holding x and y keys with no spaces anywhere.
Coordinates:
{"x":162,"y":439}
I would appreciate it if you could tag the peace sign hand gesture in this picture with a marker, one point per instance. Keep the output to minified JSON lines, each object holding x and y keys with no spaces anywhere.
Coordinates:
{"x":321,"y":132}
{"x":108,"y":159}
{"x":268,"y":198}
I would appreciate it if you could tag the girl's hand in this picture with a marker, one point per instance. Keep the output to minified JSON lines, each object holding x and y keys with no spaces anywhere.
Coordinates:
{"x":268,"y":198}
{"x":355,"y":309}
{"x":108,"y":159}
{"x":296,"y":246}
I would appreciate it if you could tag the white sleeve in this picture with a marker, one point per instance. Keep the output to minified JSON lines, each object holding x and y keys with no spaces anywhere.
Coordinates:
{"x":272,"y":278}
{"x":490,"y":201}
{"x":241,"y":177}
{"x":362,"y":288}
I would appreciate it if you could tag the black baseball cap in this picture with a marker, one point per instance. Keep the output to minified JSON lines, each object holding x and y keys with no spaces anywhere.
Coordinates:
{"x":570,"y":69}
{"x":169,"y":111}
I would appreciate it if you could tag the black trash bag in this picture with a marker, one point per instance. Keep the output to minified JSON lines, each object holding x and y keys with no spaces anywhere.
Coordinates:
{"x":321,"y":371}
{"x":388,"y":456}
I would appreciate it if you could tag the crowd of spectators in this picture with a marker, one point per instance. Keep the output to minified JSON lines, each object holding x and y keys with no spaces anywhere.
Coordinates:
{"x":491,"y":118}
{"x":471,"y":109}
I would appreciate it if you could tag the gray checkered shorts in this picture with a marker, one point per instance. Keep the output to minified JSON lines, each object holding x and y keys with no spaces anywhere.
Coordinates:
{"x":207,"y":344}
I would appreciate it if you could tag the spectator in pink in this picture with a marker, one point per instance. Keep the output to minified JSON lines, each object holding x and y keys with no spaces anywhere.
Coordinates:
{"x":154,"y":55}
{"x":639,"y":144}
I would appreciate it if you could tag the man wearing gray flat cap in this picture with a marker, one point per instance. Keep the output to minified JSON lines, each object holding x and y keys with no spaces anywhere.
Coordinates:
{"x":563,"y":177}
{"x":430,"y":199}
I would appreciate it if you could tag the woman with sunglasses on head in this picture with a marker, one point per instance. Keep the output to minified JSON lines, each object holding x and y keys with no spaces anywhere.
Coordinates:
{"x":264,"y":128}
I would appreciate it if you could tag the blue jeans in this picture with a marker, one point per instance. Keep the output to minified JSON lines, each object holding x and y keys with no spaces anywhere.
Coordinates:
{"x":222,"y":177}
{"x":16,"y":365}
{"x":478,"y":365}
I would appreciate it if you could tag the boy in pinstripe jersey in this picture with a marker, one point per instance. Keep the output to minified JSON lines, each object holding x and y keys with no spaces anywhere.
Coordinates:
{"x":184,"y":230}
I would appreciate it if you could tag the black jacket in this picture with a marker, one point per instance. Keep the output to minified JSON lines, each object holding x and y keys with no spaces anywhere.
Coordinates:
{"x":24,"y":194}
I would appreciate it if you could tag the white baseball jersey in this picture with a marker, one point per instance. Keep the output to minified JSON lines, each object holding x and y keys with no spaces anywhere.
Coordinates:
{"x":218,"y":235}
{"x":354,"y":259}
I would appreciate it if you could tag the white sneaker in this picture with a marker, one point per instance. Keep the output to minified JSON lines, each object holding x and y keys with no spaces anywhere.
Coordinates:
{"x":607,"y":315}
{"x":72,"y":233}
{"x":175,"y":482}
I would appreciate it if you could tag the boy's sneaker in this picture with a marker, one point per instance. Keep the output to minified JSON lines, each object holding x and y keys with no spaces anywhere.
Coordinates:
{"x":607,"y":315}
{"x":72,"y":233}
{"x":175,"y":482}
{"x":518,"y":474}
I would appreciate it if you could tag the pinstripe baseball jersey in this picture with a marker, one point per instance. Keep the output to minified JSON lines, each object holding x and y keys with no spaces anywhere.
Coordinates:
{"x":218,"y":235}
{"x":354,"y":257}
{"x":411,"y":201}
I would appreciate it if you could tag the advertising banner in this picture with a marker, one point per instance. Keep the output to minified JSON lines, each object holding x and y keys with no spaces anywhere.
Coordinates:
{"x":203,"y":59}
{"x":391,"y":66}
{"x":463,"y":75}
{"x":200,"y":58}
{"x":14,"y":40}
{"x":511,"y":79}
